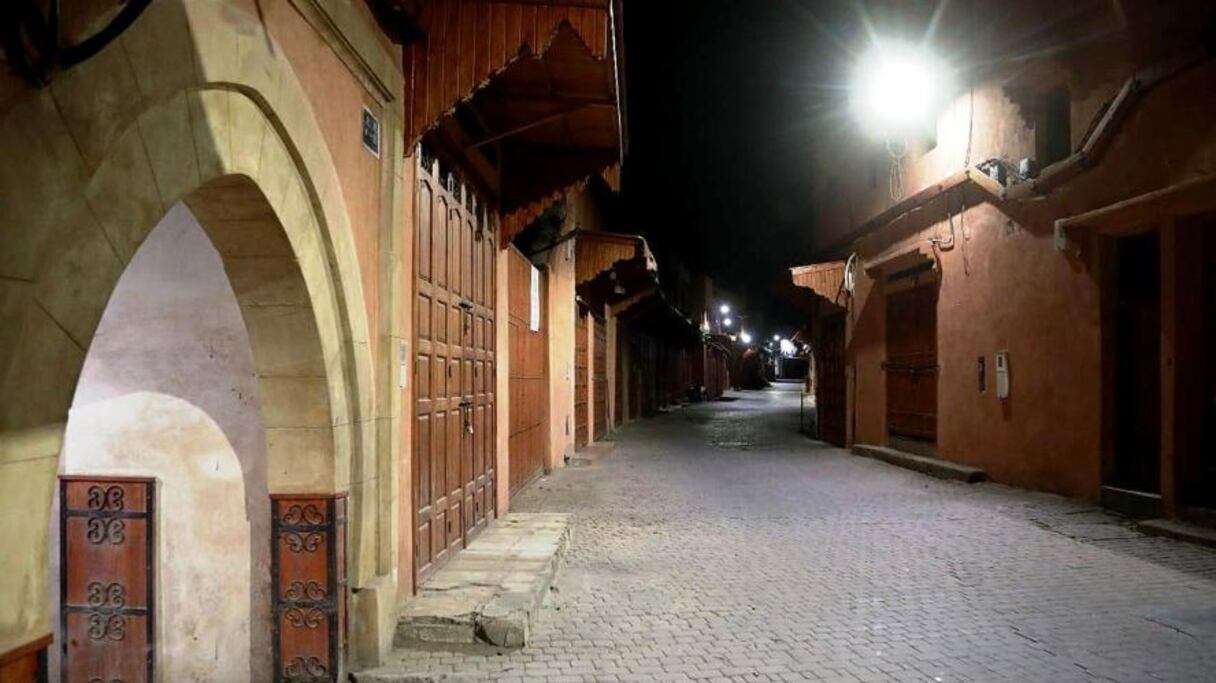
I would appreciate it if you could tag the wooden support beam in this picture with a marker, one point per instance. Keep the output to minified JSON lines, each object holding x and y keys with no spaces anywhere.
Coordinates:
{"x":559,"y":114}
{"x":585,"y":4}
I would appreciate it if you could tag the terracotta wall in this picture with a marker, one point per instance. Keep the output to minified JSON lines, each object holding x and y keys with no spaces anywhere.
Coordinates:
{"x":338,"y":97}
{"x":560,"y":312}
{"x":1005,"y":287}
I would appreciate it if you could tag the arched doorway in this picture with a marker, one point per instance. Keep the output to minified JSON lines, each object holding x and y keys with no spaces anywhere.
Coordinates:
{"x":207,"y":383}
{"x":237,"y":143}
{"x":169,"y":393}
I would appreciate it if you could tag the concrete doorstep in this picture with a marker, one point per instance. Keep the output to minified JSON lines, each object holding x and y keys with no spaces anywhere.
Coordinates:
{"x":592,"y":452}
{"x":1179,"y":530}
{"x":489,"y":594}
{"x":942,"y":469}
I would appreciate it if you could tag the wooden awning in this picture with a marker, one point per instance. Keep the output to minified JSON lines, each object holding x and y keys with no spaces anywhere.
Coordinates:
{"x":599,"y":252}
{"x":454,"y":47}
{"x":611,"y":267}
{"x":651,"y":311}
{"x":825,"y":279}
{"x":526,"y":94}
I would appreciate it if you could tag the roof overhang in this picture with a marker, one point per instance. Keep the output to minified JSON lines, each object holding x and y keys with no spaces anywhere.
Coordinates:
{"x":525,"y":95}
{"x":610,"y":267}
{"x":825,"y":279}
{"x":651,"y":311}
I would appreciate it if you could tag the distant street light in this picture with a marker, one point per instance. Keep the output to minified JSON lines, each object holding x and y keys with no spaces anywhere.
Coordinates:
{"x":727,"y":322}
{"x":745,"y":337}
{"x":776,"y":337}
{"x":724,"y":309}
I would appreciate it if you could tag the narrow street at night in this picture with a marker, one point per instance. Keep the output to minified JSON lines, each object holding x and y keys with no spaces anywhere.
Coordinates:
{"x":396,"y":341}
{"x":717,"y":543}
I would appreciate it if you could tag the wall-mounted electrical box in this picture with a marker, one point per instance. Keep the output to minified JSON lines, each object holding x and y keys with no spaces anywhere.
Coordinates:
{"x":1002,"y":374}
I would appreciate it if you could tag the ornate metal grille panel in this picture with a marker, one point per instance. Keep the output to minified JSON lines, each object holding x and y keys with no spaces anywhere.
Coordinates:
{"x":107,"y":551}
{"x":309,"y":576}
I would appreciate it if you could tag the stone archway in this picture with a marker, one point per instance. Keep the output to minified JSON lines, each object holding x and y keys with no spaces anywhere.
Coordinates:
{"x":169,"y":392}
{"x":207,"y":112}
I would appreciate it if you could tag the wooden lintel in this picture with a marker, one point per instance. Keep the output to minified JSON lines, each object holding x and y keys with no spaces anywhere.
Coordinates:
{"x":1190,"y":196}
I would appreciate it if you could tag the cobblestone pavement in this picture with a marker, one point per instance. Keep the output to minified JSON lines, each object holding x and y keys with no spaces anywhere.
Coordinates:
{"x":717,"y":543}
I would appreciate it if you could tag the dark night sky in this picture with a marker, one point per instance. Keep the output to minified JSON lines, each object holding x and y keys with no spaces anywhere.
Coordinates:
{"x":720,"y":103}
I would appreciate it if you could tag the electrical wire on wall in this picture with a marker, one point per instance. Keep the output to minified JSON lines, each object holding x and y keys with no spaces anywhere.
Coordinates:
{"x":962,"y":218}
{"x":897,"y":149}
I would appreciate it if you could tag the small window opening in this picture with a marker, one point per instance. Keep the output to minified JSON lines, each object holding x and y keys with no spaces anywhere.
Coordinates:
{"x":1055,"y":132}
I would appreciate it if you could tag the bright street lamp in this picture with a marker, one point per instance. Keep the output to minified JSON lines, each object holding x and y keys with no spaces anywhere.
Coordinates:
{"x":776,"y":337}
{"x":727,"y":322}
{"x":897,"y":88}
{"x":745,"y":337}
{"x":724,"y":309}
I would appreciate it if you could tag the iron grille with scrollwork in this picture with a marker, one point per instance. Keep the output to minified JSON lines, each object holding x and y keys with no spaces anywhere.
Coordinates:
{"x":106,"y":578}
{"x":308,"y":587}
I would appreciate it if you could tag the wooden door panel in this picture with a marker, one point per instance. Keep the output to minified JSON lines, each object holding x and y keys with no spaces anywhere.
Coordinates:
{"x":107,"y":555}
{"x":581,"y":378}
{"x":830,"y":380}
{"x":528,"y":378}
{"x":911,"y":365}
{"x":453,"y":333}
{"x":600,"y":374}
{"x":308,"y":586}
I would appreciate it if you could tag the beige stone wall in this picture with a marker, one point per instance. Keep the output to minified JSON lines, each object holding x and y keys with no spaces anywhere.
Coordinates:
{"x":200,"y":94}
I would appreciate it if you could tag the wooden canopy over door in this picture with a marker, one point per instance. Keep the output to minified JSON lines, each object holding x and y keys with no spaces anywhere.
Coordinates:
{"x":453,"y":464}
{"x":528,"y":380}
{"x":911,"y":366}
{"x":581,"y":377}
{"x":600,"y":379}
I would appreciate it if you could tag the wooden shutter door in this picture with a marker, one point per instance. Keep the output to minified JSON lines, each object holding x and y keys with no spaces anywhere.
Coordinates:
{"x":911,"y":365}
{"x":453,"y":466}
{"x":580,"y":379}
{"x":600,"y":385}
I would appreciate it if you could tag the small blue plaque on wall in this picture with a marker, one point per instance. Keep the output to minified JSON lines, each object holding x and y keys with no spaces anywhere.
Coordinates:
{"x":371,"y":132}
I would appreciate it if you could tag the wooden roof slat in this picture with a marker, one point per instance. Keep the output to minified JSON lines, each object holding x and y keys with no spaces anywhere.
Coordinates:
{"x":825,"y":279}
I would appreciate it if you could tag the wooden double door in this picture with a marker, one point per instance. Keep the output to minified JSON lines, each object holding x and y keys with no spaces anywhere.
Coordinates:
{"x":911,"y":366}
{"x":453,"y":465}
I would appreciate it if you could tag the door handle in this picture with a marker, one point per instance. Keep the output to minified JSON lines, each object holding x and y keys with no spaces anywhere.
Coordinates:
{"x":466,"y":413}
{"x":467,"y":307}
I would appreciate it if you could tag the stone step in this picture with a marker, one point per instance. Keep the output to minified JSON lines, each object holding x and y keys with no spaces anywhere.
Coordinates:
{"x":1179,"y":530}
{"x":490,"y":592}
{"x":942,"y":469}
{"x":593,"y":452}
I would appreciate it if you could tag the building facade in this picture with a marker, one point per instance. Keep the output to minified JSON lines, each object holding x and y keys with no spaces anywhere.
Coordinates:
{"x":1040,"y":319}
{"x":257,"y":294}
